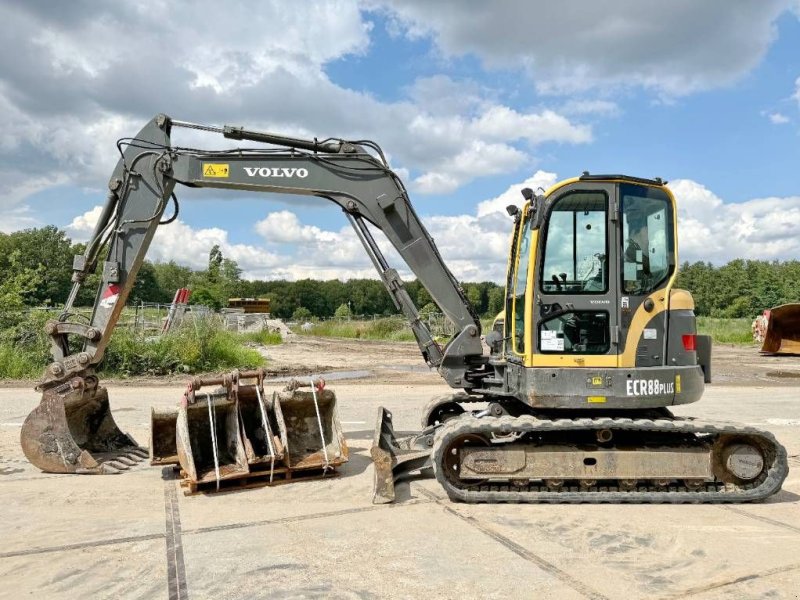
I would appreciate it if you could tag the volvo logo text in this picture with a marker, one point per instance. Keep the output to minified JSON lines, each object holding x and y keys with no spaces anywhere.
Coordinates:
{"x":276,"y":172}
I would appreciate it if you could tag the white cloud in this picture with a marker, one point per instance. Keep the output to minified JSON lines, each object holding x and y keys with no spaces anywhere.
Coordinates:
{"x":777,"y":118}
{"x":189,"y":246}
{"x":796,"y":94}
{"x":503,"y":123}
{"x":605,"y":108}
{"x":513,"y":195}
{"x":89,"y":89}
{"x":711,"y":229}
{"x":477,"y":157}
{"x":18,"y":218}
{"x":675,"y":48}
{"x":81,"y":227}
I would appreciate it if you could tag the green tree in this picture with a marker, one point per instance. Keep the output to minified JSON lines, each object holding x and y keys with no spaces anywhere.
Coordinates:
{"x":231,"y":276}
{"x":46,"y":250}
{"x":215,"y":260}
{"x":17,"y":289}
{"x":145,"y":288}
{"x":429,"y":308}
{"x":208,"y":295}
{"x":342,"y":312}
{"x":423,"y":297}
{"x":496,"y":301}
{"x":170,"y":277}
{"x":476,"y":297}
{"x":301,"y":314}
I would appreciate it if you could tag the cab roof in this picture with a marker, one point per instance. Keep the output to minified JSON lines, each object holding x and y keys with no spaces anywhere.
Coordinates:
{"x":586,"y":176}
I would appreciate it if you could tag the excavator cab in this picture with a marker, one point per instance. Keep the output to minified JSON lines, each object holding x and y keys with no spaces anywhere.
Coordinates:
{"x":591,"y":287}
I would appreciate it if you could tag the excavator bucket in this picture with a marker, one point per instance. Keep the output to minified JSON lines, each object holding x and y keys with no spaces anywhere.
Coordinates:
{"x":315,"y":439}
{"x":782,"y":335}
{"x":230,"y":433}
{"x":263,"y":430}
{"x":395,"y":458}
{"x":208,"y":439}
{"x":163,"y":445}
{"x":236,"y":432}
{"x":72,"y":431}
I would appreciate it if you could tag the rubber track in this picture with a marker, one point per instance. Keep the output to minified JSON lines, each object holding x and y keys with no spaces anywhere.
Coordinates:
{"x":498,"y":492}
{"x":457,"y":397}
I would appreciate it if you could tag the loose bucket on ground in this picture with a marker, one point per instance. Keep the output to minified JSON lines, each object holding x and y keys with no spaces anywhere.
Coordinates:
{"x":778,"y":330}
{"x":236,"y":435}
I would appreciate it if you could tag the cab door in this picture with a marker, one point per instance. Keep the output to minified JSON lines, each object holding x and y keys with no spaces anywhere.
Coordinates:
{"x":575,"y":316}
{"x":646,"y":269}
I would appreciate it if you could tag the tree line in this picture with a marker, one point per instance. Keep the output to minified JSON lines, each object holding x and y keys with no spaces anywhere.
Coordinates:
{"x":36,"y":270}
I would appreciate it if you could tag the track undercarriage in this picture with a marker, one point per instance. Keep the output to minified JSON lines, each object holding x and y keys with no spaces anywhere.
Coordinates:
{"x":651,"y":456}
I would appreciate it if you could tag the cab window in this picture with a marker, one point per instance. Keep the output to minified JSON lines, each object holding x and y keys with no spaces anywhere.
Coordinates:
{"x":575,"y":256}
{"x":648,"y":244}
{"x":520,"y":287}
{"x":575,"y":332}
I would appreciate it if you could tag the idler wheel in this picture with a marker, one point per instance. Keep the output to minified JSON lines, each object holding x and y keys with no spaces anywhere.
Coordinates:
{"x":744,"y":461}
{"x":452,"y":458}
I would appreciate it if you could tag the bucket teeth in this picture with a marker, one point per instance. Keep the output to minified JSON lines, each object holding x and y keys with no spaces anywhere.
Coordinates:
{"x":117,"y":464}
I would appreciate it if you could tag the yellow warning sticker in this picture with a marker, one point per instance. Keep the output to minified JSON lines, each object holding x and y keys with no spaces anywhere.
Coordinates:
{"x":596,"y":399}
{"x":216,"y":170}
{"x":677,"y":384}
{"x":597,"y":381}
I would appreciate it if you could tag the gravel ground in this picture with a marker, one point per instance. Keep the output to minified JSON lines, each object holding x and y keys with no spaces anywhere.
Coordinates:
{"x":136,"y":535}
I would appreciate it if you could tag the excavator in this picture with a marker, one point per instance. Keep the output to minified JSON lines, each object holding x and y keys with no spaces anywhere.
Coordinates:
{"x":566,"y":399}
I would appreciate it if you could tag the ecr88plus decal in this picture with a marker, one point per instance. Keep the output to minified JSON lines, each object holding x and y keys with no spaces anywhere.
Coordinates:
{"x":648,"y":387}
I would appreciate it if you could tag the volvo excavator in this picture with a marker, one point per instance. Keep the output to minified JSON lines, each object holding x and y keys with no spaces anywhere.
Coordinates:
{"x":566,"y":399}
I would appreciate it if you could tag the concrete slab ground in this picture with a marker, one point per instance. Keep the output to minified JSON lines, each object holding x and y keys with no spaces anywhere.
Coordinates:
{"x":137,"y":536}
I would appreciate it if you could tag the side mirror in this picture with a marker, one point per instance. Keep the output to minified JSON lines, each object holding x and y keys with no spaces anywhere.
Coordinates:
{"x":512,"y":210}
{"x":527,"y":193}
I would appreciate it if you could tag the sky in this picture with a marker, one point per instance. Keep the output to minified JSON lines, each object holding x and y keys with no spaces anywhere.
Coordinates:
{"x":471,"y":101}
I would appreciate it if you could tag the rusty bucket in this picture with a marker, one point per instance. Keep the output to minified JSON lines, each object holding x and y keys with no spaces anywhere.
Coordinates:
{"x":209,"y":442}
{"x":72,"y":430}
{"x":315,"y":439}
{"x":163,"y":443}
{"x":782,"y":334}
{"x":263,"y":430}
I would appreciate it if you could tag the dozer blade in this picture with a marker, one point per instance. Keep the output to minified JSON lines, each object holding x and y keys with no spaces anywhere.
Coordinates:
{"x":394,"y":458}
{"x":163,"y":445}
{"x":783,"y":330}
{"x":72,"y":431}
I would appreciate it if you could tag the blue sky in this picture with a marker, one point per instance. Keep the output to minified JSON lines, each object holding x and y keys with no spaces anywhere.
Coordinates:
{"x":470,"y":100}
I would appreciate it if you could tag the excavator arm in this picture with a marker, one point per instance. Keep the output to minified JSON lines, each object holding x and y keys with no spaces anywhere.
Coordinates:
{"x":362,"y":184}
{"x":354,"y":175}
